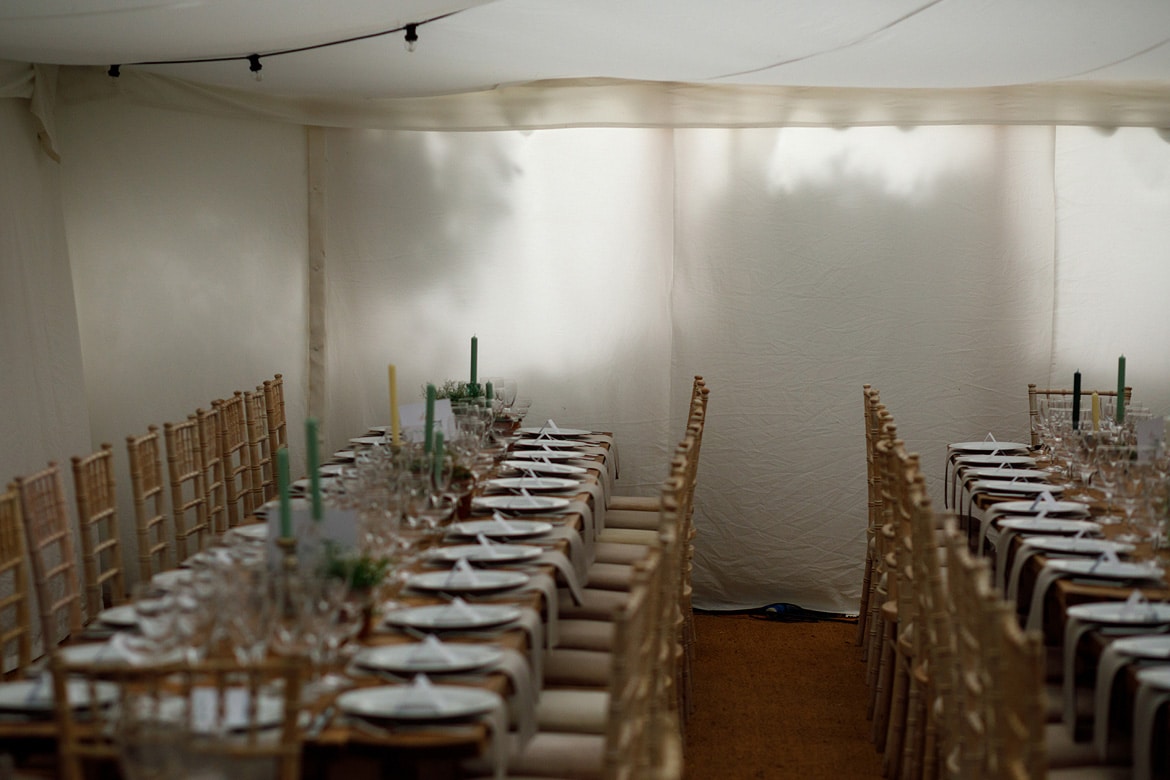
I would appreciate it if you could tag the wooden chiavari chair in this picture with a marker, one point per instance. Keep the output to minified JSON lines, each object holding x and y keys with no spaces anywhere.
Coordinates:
{"x":207,"y":424}
{"x":97,"y":519}
{"x":642,"y":511}
{"x":274,"y":408}
{"x":232,"y":435}
{"x":625,"y":746}
{"x":49,"y":541}
{"x":261,"y":466}
{"x":126,"y":708}
{"x":1036,"y":396}
{"x":189,"y":494}
{"x":883,"y":614}
{"x":872,"y":403}
{"x":15,"y":629}
{"x":147,"y":488}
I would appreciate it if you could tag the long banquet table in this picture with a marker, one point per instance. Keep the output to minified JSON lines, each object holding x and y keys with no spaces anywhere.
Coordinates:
{"x":338,"y":744}
{"x":1077,"y":669}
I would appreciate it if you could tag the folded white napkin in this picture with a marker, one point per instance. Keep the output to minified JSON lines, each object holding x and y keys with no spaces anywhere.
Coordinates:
{"x":431,"y":648}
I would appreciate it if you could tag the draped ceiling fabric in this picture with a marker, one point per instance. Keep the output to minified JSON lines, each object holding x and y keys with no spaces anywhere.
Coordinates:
{"x":606,"y":240}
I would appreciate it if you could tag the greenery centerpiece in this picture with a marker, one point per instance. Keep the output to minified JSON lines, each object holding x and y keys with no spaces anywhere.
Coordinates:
{"x":362,"y":573}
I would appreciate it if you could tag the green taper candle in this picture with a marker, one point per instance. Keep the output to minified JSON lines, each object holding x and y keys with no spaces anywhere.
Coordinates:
{"x":1121,"y":389}
{"x":282,"y":483}
{"x":474,"y":355}
{"x":314,"y":460}
{"x":429,"y":433}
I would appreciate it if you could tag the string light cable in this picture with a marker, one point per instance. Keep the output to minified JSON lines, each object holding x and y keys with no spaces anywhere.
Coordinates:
{"x":410,"y":39}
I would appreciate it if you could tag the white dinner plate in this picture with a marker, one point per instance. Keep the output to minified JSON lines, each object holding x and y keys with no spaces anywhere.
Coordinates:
{"x":1121,"y":613}
{"x":533,"y":483}
{"x":989,"y":447}
{"x":520,"y":503}
{"x":296,"y":503}
{"x":344,"y":455}
{"x":117,"y":651}
{"x":172,"y":578}
{"x":1157,"y":646}
{"x":122,"y":616}
{"x":1002,"y":486}
{"x":1072,"y":545}
{"x":545,"y":455}
{"x":212,"y":712}
{"x":454,"y":616}
{"x":36,"y":696}
{"x":552,"y":444}
{"x":485,"y":553}
{"x":1031,"y":475}
{"x":563,"y":433}
{"x":253,"y":531}
{"x":333,"y":469}
{"x":544,"y":468}
{"x":303,"y":485}
{"x":1155,"y":676}
{"x":996,"y":460}
{"x":1049,"y":525}
{"x":368,"y":441}
{"x":1090,"y":567}
{"x":453,"y":581}
{"x":494,"y":529}
{"x":406,"y":702}
{"x":1049,"y":508}
{"x":417,"y":658}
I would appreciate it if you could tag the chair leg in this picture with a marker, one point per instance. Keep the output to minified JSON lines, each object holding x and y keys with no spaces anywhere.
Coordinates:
{"x":914,"y":741}
{"x":863,"y":608}
{"x":873,"y":647}
{"x":883,"y":689}
{"x":896,"y":722}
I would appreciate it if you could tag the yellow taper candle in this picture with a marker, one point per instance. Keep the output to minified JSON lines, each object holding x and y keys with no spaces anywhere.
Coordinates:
{"x":1096,"y":412}
{"x":395,"y":422}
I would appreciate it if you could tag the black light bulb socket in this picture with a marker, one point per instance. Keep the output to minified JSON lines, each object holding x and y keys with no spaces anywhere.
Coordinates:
{"x":254,"y":63}
{"x":411,"y":34}
{"x":114,"y":72}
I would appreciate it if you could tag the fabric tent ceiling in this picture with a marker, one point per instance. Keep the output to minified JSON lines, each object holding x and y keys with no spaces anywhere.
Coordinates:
{"x":482,"y":45}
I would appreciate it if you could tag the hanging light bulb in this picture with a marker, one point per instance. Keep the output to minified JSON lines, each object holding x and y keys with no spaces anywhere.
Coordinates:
{"x":411,"y":37}
{"x":255,"y":66}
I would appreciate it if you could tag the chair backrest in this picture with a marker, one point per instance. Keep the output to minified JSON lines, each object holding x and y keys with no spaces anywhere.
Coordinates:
{"x":189,"y":495}
{"x":636,"y":643}
{"x":1017,"y":702}
{"x":147,"y":489}
{"x":49,"y":541}
{"x":175,"y":721}
{"x":232,"y":435}
{"x":15,"y":630}
{"x":261,"y":466}
{"x":934,"y":640}
{"x":969,"y":590}
{"x":274,"y":406}
{"x":207,"y":423}
{"x":97,"y":520}
{"x":1037,"y":396}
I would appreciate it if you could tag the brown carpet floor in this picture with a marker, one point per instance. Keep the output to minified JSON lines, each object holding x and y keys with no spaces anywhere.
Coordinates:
{"x":778,"y":700}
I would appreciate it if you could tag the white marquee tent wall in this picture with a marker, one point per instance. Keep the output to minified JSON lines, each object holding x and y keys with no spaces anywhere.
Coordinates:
{"x":601,"y":268}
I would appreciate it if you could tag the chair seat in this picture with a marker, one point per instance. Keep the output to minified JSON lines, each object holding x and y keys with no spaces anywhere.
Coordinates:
{"x":596,"y":604}
{"x":640,"y":503}
{"x":569,"y":667}
{"x":619,"y":552}
{"x":610,"y":576}
{"x":635,"y":536}
{"x":632,"y":519}
{"x":573,"y":711}
{"x":585,"y":635}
